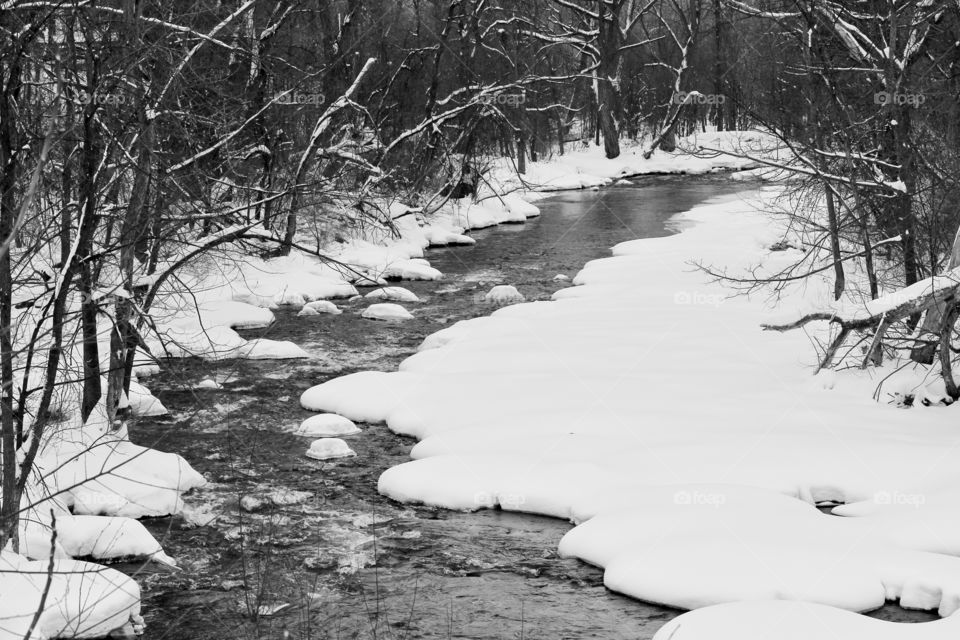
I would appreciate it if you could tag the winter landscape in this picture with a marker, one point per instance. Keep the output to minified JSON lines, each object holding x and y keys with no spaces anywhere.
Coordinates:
{"x":479,"y":319}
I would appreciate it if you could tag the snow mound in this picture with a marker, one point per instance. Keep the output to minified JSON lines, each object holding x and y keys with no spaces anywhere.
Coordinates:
{"x":394,"y":294}
{"x":144,"y":403}
{"x":234,"y":314}
{"x":386,"y":311}
{"x":647,"y":374}
{"x":219,"y":343}
{"x":112,"y":476}
{"x":438,"y":236}
{"x":104,"y":537}
{"x":327,"y":425}
{"x":351,"y":395}
{"x":785,"y":620}
{"x":695,"y":546}
{"x":84,"y":600}
{"x":262,"y":349}
{"x":504,"y":294}
{"x":319,"y":307}
{"x":329,"y":449}
{"x":507,"y":209}
{"x":208,"y":383}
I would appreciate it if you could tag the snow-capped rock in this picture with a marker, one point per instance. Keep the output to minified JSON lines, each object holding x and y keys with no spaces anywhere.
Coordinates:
{"x":393,"y":294}
{"x":504,"y":294}
{"x":386,"y":311}
{"x":326,"y":425}
{"x":329,"y":449}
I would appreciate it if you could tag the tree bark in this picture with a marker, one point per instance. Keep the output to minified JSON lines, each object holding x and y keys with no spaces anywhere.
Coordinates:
{"x":839,"y":281}
{"x":934,"y":323}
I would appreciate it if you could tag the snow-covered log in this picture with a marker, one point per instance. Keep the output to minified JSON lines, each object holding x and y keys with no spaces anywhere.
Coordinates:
{"x":931,"y":293}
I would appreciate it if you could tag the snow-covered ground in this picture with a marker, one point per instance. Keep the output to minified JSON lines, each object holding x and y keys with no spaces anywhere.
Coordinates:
{"x":648,"y":407}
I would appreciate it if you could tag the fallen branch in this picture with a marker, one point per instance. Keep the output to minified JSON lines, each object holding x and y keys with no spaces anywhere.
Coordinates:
{"x":879,"y":314}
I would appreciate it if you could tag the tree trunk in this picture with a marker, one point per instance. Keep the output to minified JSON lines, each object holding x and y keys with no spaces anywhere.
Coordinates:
{"x":608,"y":98}
{"x":521,"y":153}
{"x":88,"y":307}
{"x":839,"y":282}
{"x":9,"y":500}
{"x":934,"y":321}
{"x":946,"y":355}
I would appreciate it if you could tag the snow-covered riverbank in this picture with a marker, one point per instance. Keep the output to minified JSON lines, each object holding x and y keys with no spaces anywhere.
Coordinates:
{"x":102,"y":481}
{"x":648,"y":407}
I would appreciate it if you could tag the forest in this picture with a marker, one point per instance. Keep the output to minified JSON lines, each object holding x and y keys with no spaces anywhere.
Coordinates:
{"x":145,"y":143}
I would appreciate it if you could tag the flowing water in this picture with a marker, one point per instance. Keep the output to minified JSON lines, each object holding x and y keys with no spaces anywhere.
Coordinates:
{"x":306,"y":549}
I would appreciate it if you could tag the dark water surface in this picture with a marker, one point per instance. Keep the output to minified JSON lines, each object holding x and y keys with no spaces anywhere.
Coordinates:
{"x":343,"y":561}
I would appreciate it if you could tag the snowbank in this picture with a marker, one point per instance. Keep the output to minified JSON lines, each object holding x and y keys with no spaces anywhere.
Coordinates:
{"x":386,"y":311}
{"x":83,"y":600}
{"x":645,"y":375}
{"x":102,"y":481}
{"x":584,"y":168}
{"x":393,"y":294}
{"x":326,"y":425}
{"x":503,"y":294}
{"x":329,"y":449}
{"x":766,"y":619}
{"x":87,"y":486}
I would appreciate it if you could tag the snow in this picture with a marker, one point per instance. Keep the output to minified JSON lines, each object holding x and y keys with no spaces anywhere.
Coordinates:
{"x":394,"y":294}
{"x":646,"y":374}
{"x":208,"y":383}
{"x":694,"y":546}
{"x":262,"y":349}
{"x":587,"y":168}
{"x":143,"y":403}
{"x":109,"y":475}
{"x":234,"y":314}
{"x":440,"y":236}
{"x":84,"y":600}
{"x":88,"y":483}
{"x":568,"y":433}
{"x":858,"y":310}
{"x":504,"y":294}
{"x":786,"y":620}
{"x":107,"y":538}
{"x":320,"y":307}
{"x":216,"y":343}
{"x":327,"y":425}
{"x":329,"y":449}
{"x":386,"y":311}
{"x":348,"y":393}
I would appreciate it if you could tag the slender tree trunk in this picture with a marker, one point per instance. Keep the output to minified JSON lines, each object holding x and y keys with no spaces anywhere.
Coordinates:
{"x":10,"y":90}
{"x":946,"y":355}
{"x":935,"y":323}
{"x":88,"y":306}
{"x":839,"y":282}
{"x":521,"y":146}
